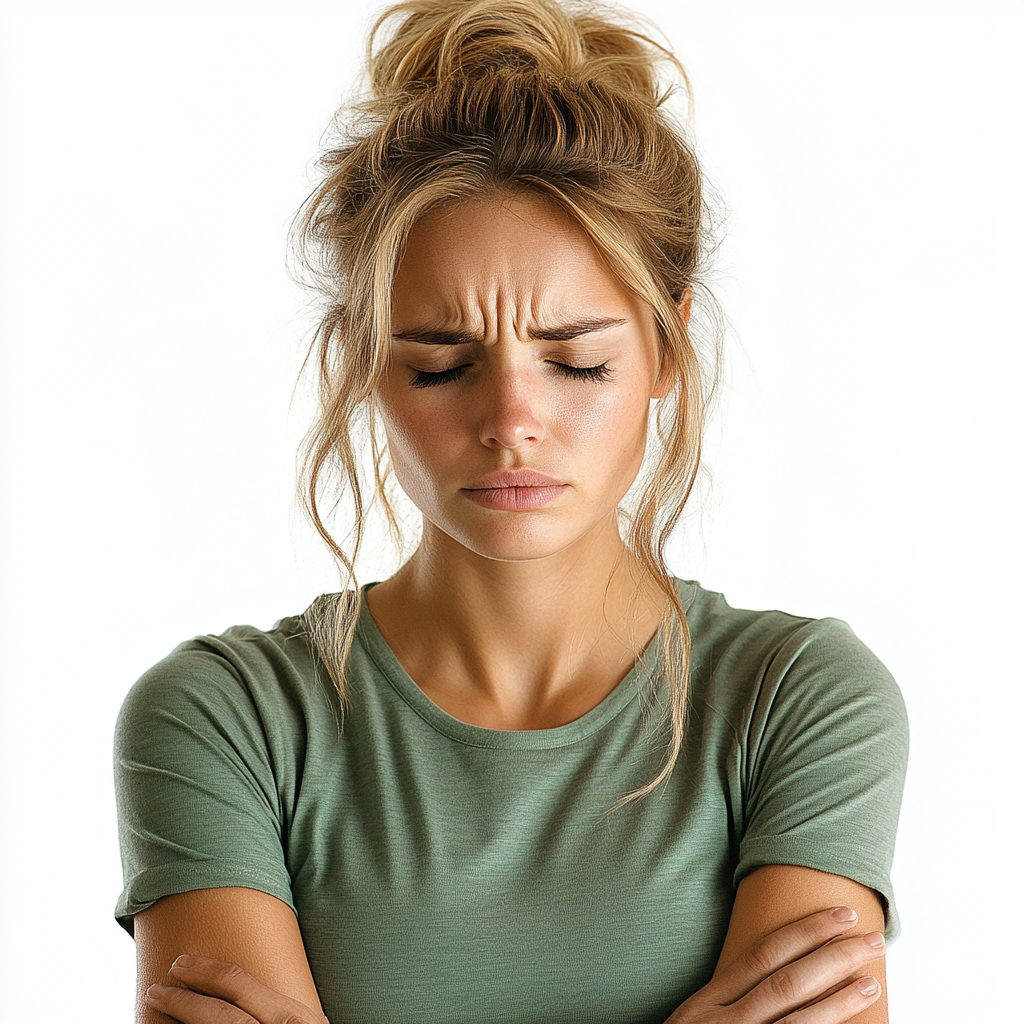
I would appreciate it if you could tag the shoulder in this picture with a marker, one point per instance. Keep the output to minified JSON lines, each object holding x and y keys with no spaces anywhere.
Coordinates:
{"x":775,"y":644}
{"x":243,"y":675}
{"x":772,"y":672}
{"x":815,"y":739}
{"x":209,"y":751}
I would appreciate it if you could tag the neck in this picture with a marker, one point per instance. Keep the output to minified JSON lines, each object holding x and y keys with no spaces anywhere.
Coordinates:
{"x":518,"y":644}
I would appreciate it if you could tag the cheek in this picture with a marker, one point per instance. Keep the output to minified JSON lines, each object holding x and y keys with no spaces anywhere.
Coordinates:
{"x":611,"y":423}
{"x":419,"y":432}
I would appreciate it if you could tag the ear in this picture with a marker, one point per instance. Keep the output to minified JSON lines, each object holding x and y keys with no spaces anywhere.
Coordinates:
{"x":666,"y":375}
{"x":684,"y":304}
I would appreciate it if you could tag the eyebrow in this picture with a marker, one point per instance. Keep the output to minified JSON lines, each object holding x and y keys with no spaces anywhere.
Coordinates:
{"x":564,"y":332}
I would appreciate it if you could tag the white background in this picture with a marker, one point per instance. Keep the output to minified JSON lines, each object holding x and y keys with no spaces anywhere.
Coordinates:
{"x":867,"y":462}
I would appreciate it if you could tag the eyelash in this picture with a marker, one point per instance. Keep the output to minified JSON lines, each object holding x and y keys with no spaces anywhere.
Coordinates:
{"x":596,"y":374}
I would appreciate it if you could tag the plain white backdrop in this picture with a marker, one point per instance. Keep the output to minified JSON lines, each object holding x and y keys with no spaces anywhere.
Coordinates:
{"x":867,"y":454}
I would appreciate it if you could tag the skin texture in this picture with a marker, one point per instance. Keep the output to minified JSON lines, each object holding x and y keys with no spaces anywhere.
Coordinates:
{"x":496,"y":275}
{"x":456,"y":613}
{"x":245,"y":927}
{"x":777,"y":895}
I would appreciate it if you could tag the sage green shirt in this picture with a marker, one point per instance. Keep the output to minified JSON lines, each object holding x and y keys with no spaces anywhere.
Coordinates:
{"x":446,"y":873}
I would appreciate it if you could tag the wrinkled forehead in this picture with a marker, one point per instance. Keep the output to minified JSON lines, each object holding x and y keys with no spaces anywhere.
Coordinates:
{"x":517,"y":256}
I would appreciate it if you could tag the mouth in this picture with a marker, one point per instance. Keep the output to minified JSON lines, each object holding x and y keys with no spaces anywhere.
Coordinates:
{"x":515,"y":490}
{"x":521,"y":477}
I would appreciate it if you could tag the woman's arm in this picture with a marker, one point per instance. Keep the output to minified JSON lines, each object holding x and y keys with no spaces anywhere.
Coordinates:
{"x":257,"y":932}
{"x":779,"y":894}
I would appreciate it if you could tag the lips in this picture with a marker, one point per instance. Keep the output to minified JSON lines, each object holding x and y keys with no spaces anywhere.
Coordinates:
{"x":513,"y":478}
{"x":514,"y":490}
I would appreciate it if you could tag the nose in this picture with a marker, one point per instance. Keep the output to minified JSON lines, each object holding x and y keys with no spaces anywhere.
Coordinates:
{"x":511,"y":409}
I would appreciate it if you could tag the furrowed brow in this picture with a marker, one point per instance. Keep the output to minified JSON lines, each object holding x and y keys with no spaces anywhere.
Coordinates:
{"x":428,"y":336}
{"x":565,"y":332}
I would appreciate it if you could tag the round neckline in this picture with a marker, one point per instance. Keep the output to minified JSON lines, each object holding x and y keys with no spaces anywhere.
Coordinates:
{"x":579,"y":729}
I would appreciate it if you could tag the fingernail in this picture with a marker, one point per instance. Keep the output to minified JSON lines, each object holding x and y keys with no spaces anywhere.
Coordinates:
{"x":844,"y":914}
{"x":867,"y":986}
{"x":184,"y":961}
{"x":157,"y":992}
{"x":876,"y":940}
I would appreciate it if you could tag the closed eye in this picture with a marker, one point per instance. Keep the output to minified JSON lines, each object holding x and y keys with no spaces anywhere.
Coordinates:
{"x":429,"y":379}
{"x":599,"y":374}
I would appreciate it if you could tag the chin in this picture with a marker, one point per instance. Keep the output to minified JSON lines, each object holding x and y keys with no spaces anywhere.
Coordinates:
{"x":519,"y":537}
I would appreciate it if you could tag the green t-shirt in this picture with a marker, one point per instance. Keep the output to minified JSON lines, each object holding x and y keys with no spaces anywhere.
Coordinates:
{"x":442,"y":872}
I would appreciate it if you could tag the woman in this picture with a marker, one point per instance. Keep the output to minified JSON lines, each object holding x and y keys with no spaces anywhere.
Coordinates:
{"x":542,"y":779}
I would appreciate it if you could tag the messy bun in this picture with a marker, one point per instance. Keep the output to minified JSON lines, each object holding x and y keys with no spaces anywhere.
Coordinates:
{"x":471,"y":98}
{"x":440,"y":41}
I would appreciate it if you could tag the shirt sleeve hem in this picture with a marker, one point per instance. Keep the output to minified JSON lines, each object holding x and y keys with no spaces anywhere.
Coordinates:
{"x":153,"y":884}
{"x":824,"y":856}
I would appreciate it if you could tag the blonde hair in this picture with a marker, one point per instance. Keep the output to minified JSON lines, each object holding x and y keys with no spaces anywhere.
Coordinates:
{"x":480,"y":98}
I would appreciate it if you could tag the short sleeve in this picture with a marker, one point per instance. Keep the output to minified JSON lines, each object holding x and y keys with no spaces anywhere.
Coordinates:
{"x":825,"y":762}
{"x":198,"y":805}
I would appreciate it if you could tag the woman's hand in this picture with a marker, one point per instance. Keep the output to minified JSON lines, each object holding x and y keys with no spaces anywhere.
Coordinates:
{"x":215,"y":991}
{"x":798,"y":974}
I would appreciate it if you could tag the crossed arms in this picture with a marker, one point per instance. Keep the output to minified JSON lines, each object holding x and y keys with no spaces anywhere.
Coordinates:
{"x":260,"y":934}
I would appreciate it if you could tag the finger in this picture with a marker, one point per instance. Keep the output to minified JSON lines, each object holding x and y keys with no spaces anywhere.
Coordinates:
{"x":778,"y":949}
{"x":840,"y":1006}
{"x":238,"y":988}
{"x":190,"y":1007}
{"x":796,"y":984}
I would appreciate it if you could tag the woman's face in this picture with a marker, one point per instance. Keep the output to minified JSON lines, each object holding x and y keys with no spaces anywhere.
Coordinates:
{"x":521,"y":375}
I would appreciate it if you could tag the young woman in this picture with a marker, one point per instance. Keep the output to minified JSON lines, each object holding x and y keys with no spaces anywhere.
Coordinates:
{"x":531,"y":776}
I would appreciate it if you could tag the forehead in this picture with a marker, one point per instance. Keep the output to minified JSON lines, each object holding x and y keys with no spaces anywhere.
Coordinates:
{"x":520,"y":254}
